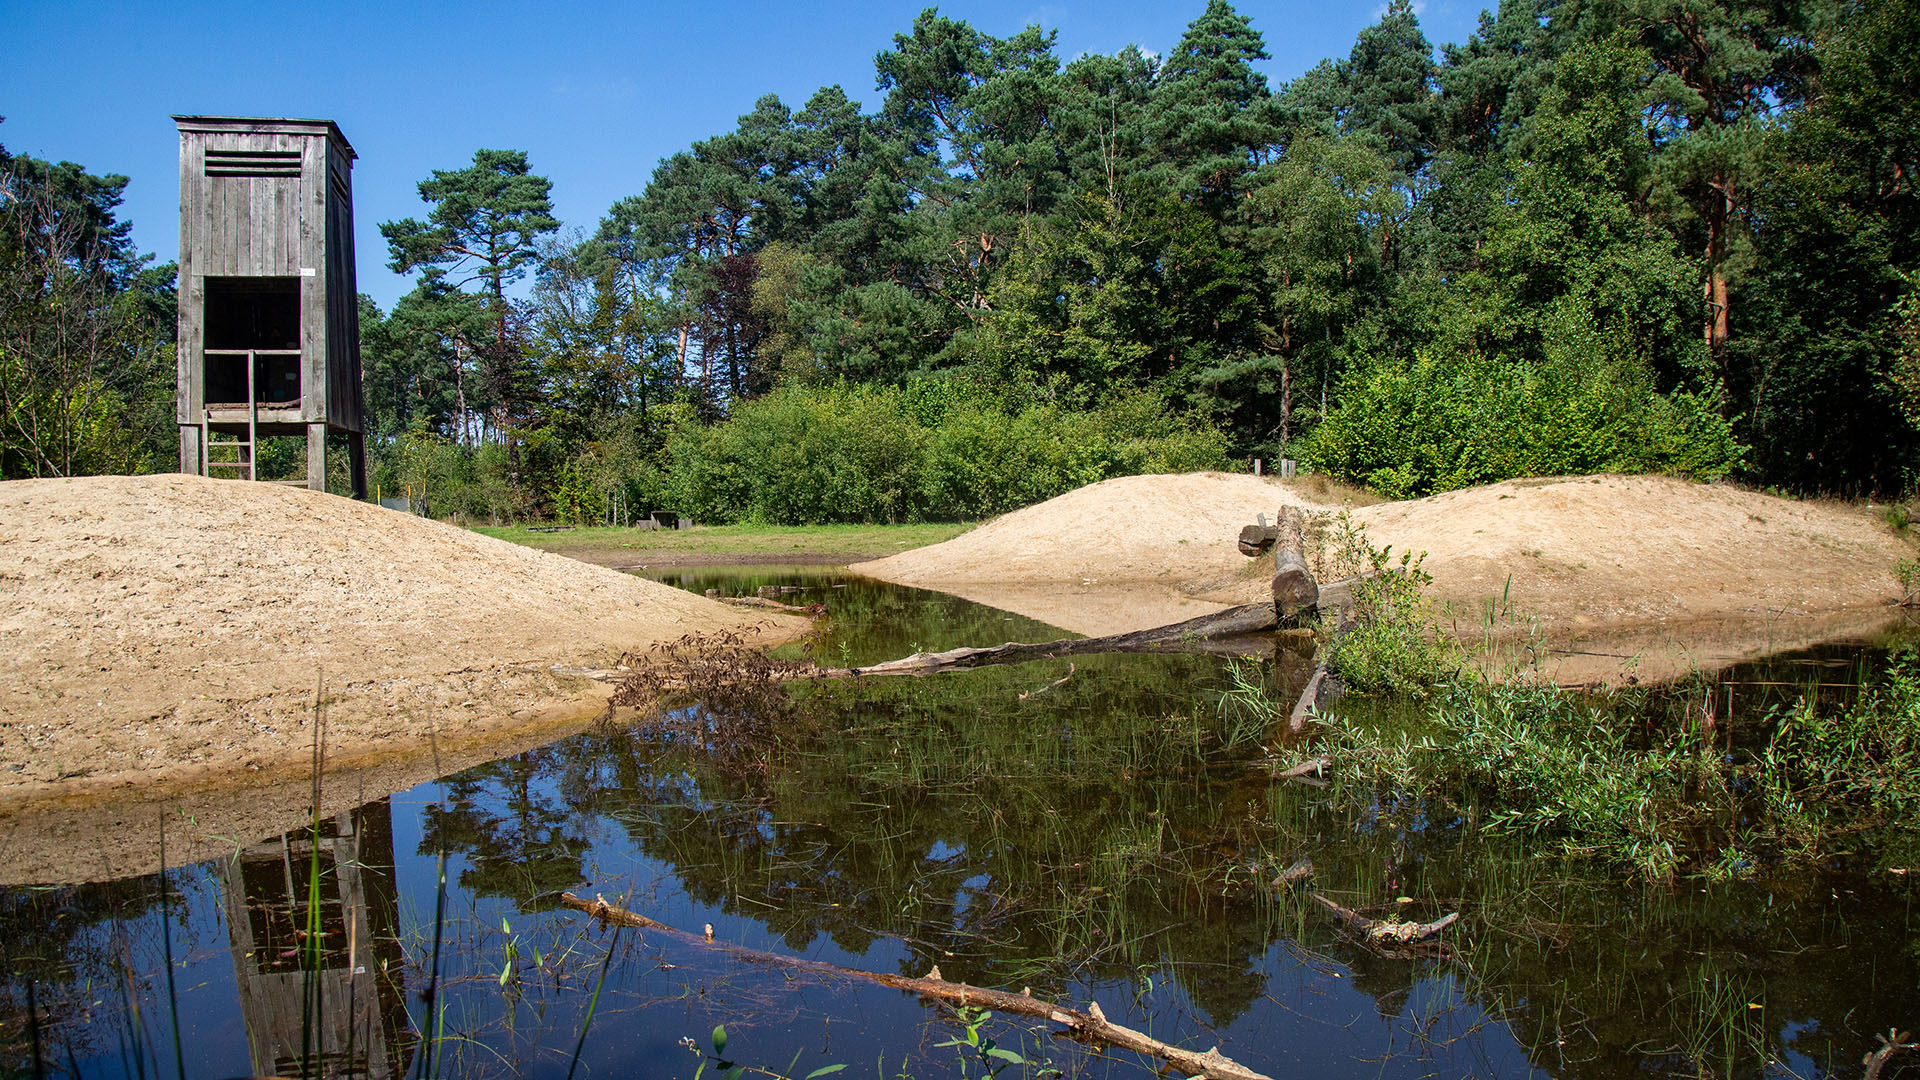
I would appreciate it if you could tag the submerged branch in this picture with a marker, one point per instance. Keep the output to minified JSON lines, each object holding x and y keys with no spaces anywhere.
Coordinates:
{"x":1089,"y":1024}
{"x":1383,"y":932}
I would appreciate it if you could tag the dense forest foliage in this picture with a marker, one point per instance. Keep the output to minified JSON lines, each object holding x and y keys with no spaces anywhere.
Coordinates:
{"x":1638,"y":235}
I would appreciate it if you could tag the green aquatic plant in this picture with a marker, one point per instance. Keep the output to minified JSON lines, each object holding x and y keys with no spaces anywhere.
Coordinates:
{"x":1530,"y":758}
{"x":1827,"y":773}
{"x":980,"y":1054}
{"x":1594,"y":773}
{"x":1387,"y":641}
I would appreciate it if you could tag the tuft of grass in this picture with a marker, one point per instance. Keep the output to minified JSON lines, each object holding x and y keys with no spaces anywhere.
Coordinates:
{"x":1322,"y":488}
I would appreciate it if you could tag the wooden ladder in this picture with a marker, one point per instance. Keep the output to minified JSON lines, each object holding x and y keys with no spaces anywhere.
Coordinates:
{"x":245,"y":451}
{"x":243,"y":458}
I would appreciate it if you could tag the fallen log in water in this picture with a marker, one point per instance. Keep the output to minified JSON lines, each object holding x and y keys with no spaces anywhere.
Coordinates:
{"x":1089,"y":1024}
{"x":1308,"y":706}
{"x":1246,"y":619}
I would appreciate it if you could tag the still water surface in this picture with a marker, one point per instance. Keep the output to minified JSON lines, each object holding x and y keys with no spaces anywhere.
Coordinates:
{"x":1100,"y":831}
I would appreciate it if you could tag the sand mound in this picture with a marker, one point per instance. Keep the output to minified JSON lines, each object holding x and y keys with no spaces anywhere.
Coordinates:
{"x":172,"y":627}
{"x":1123,"y":554}
{"x":1573,"y":560}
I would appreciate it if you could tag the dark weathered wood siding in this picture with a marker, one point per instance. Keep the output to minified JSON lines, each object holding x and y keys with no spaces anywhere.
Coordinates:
{"x":276,"y":201}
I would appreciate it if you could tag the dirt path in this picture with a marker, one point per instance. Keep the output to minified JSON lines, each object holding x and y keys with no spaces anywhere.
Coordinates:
{"x":170,"y":632}
{"x":1603,"y":577}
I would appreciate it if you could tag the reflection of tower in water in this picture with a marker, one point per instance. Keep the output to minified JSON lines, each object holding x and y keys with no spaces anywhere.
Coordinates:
{"x":362,"y":1029}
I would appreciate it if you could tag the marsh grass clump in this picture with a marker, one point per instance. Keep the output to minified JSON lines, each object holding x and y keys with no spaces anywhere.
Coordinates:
{"x":1533,"y":759}
{"x":1608,"y":776}
{"x":1825,"y":775}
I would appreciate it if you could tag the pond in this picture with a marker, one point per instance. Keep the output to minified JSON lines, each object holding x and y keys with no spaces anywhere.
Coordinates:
{"x":1098,"y":830}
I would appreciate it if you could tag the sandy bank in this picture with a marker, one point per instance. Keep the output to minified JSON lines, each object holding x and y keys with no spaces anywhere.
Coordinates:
{"x":1614,"y":576}
{"x":170,"y":631}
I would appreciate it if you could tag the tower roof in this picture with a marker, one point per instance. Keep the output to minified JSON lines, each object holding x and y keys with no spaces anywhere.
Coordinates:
{"x":266,"y":125}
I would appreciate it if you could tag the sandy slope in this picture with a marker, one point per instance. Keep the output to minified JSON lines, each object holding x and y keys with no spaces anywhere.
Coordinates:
{"x":174,"y":628}
{"x":1624,"y":566}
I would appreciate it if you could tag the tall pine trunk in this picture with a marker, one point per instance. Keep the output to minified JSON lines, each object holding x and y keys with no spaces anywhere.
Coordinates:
{"x":1720,"y":212}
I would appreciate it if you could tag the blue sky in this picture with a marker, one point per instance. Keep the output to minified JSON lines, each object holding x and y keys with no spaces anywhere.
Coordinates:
{"x":596,"y":93}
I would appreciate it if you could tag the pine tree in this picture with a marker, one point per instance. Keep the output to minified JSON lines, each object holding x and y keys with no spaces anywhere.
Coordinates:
{"x":1214,"y":118}
{"x":483,"y":227}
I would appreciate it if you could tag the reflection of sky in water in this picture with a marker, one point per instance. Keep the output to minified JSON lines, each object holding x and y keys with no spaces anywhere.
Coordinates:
{"x":1096,"y":842}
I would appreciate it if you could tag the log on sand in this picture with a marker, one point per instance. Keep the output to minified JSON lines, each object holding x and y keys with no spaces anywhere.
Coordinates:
{"x":1295,"y":592}
{"x":1088,"y":1024}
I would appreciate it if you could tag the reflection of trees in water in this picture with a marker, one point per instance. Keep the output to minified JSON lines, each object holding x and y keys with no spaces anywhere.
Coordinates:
{"x":521,"y":838}
{"x":1102,"y":831}
{"x":83,"y":947}
{"x":1603,"y":977}
{"x":1072,"y":836}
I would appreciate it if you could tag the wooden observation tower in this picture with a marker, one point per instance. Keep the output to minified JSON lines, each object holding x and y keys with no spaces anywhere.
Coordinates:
{"x":269,"y":314}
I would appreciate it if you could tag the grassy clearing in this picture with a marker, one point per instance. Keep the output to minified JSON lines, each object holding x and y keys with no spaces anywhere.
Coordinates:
{"x":768,"y":543}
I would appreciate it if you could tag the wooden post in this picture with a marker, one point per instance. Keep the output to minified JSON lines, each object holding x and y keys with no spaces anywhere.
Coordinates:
{"x":357,"y":462}
{"x":317,"y":457}
{"x":253,"y":419}
{"x":191,"y":454}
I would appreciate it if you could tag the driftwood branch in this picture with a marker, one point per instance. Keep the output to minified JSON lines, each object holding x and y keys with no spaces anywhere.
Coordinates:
{"x":1385,"y":933}
{"x":1893,"y":1042}
{"x":1089,"y":1024}
{"x":1059,"y":682}
{"x":1314,"y":765}
{"x":1308,"y":706}
{"x":1301,"y":870}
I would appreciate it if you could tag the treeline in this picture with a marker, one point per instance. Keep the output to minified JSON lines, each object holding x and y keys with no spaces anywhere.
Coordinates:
{"x":86,"y":328}
{"x":1646,"y":236}
{"x":1637,"y":236}
{"x":929,"y":451}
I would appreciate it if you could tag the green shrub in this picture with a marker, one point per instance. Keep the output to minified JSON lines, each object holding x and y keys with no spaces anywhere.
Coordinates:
{"x":803,"y":456}
{"x":1411,"y":428}
{"x":927,"y":452}
{"x":456,"y":481}
{"x":1392,"y":647}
